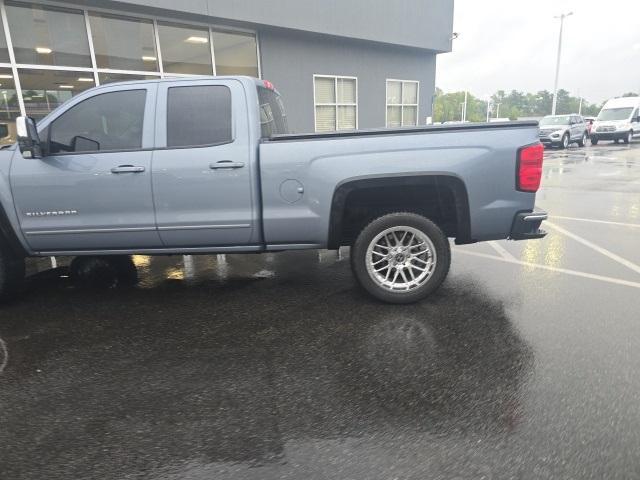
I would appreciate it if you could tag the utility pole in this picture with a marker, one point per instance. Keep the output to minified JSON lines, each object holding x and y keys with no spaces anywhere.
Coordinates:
{"x":555,"y":88}
{"x":463,"y":115}
{"x":580,"y":108}
{"x":498,"y":110}
{"x":488,"y":109}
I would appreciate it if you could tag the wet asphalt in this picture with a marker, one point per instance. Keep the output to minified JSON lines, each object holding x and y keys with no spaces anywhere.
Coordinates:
{"x":523,"y":365}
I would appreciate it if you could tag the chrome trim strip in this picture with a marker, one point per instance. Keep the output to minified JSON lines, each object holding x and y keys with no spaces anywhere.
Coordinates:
{"x":203,"y":227}
{"x":536,"y":218}
{"x":294,"y":246}
{"x":155,"y":251}
{"x":91,"y":230}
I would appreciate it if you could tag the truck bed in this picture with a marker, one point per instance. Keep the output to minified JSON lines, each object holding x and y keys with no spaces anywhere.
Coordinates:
{"x":402,"y":131}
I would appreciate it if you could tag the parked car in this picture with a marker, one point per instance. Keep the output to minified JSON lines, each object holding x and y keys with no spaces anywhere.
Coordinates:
{"x":562,"y":130}
{"x":204,"y":165}
{"x":618,"y":120}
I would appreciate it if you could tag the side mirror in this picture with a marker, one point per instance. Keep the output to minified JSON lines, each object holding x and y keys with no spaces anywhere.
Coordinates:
{"x":28,"y":139}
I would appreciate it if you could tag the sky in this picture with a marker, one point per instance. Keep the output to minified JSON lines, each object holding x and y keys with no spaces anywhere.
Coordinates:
{"x":512,"y":44}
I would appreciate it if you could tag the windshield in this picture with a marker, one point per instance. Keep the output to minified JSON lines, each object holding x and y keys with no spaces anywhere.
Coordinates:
{"x":273,"y":118}
{"x":615,"y":114}
{"x":560,"y":120}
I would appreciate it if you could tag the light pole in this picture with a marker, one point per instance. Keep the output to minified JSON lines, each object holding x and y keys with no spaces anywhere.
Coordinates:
{"x":555,"y":88}
{"x":498,"y":109}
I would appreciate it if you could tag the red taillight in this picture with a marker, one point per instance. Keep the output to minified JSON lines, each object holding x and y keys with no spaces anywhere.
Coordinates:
{"x":268,"y":85}
{"x":530,"y":167}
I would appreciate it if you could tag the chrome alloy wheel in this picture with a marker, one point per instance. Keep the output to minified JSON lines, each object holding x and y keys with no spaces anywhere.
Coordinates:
{"x":401,"y":259}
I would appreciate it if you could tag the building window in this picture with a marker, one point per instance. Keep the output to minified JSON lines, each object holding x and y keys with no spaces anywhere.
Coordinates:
{"x":44,"y":90}
{"x":48,"y":35}
{"x":122,"y":77}
{"x":185,"y":49}
{"x":235,"y":53}
{"x":9,"y":108}
{"x":123,"y":43}
{"x":336,"y":103}
{"x":402,"y":103}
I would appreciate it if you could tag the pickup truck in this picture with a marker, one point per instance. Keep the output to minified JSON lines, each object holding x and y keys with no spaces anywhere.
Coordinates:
{"x":205,"y":165}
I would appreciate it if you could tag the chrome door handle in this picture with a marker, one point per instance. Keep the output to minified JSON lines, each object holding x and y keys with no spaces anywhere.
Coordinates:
{"x":225,"y":164}
{"x":127,"y":169}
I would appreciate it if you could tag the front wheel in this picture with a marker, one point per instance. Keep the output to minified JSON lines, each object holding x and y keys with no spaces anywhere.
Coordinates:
{"x":401,"y":258}
{"x":594,"y":141}
{"x":629,"y":138}
{"x":565,"y":141}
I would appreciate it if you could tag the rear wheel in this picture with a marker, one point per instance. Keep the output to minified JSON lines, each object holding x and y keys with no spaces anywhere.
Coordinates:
{"x":12,"y":271}
{"x":401,"y":258}
{"x":583,"y":141}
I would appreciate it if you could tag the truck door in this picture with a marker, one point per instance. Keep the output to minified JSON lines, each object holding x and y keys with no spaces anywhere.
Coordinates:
{"x":202,"y":178}
{"x":92,"y":188}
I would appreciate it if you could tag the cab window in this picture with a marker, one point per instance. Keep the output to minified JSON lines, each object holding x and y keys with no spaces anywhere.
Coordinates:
{"x":106,"y":122}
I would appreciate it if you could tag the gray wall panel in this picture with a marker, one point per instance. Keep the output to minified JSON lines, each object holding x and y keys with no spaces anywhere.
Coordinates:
{"x":290,"y":60}
{"x":415,"y":23}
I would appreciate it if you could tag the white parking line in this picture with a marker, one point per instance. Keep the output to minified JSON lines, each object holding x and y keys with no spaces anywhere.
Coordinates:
{"x":575,"y":273}
{"x":589,"y":220}
{"x":597,"y":248}
{"x":501,"y":250}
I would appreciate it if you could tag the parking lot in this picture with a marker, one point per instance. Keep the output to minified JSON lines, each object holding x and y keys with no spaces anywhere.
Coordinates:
{"x":523,"y":365}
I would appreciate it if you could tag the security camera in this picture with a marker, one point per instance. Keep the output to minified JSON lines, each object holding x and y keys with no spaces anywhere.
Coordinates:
{"x":455,"y":35}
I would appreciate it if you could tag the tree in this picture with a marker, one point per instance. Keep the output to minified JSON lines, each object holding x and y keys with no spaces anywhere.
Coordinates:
{"x":513,"y":105}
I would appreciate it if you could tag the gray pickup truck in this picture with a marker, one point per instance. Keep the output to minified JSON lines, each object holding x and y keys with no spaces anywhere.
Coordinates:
{"x":204,"y":165}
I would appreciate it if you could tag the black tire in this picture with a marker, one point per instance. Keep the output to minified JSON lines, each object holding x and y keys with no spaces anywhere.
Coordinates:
{"x":99,"y":272}
{"x":583,"y":141}
{"x":594,"y":141}
{"x":616,"y":141}
{"x":427,"y":228}
{"x":565,"y":142}
{"x":12,"y":272}
{"x":628,"y":138}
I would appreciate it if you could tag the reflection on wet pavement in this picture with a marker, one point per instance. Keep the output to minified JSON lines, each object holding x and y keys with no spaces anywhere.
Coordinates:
{"x":199,"y":363}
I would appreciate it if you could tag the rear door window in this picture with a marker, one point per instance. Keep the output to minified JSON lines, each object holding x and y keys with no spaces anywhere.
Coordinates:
{"x":199,"y":115}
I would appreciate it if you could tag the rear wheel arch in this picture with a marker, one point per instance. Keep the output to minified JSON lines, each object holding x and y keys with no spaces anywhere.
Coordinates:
{"x":441,"y":185}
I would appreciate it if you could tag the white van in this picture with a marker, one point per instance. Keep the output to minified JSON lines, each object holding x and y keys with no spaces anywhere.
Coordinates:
{"x":618,"y":120}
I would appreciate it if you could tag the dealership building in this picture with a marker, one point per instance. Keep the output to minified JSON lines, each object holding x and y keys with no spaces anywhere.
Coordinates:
{"x":339,"y":64}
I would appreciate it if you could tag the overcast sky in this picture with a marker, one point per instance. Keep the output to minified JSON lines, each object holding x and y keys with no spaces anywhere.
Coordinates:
{"x":512,"y":44}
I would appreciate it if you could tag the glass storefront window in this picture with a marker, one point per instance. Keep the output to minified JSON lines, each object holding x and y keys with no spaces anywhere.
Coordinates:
{"x":122,"y":77}
{"x":48,"y":35}
{"x":235,"y":53}
{"x":123,"y":43}
{"x":185,"y":49}
{"x":60,"y":50}
{"x":44,"y":90}
{"x":9,"y":107}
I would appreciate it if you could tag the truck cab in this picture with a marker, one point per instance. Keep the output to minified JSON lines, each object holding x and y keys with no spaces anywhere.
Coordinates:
{"x":145,"y":164}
